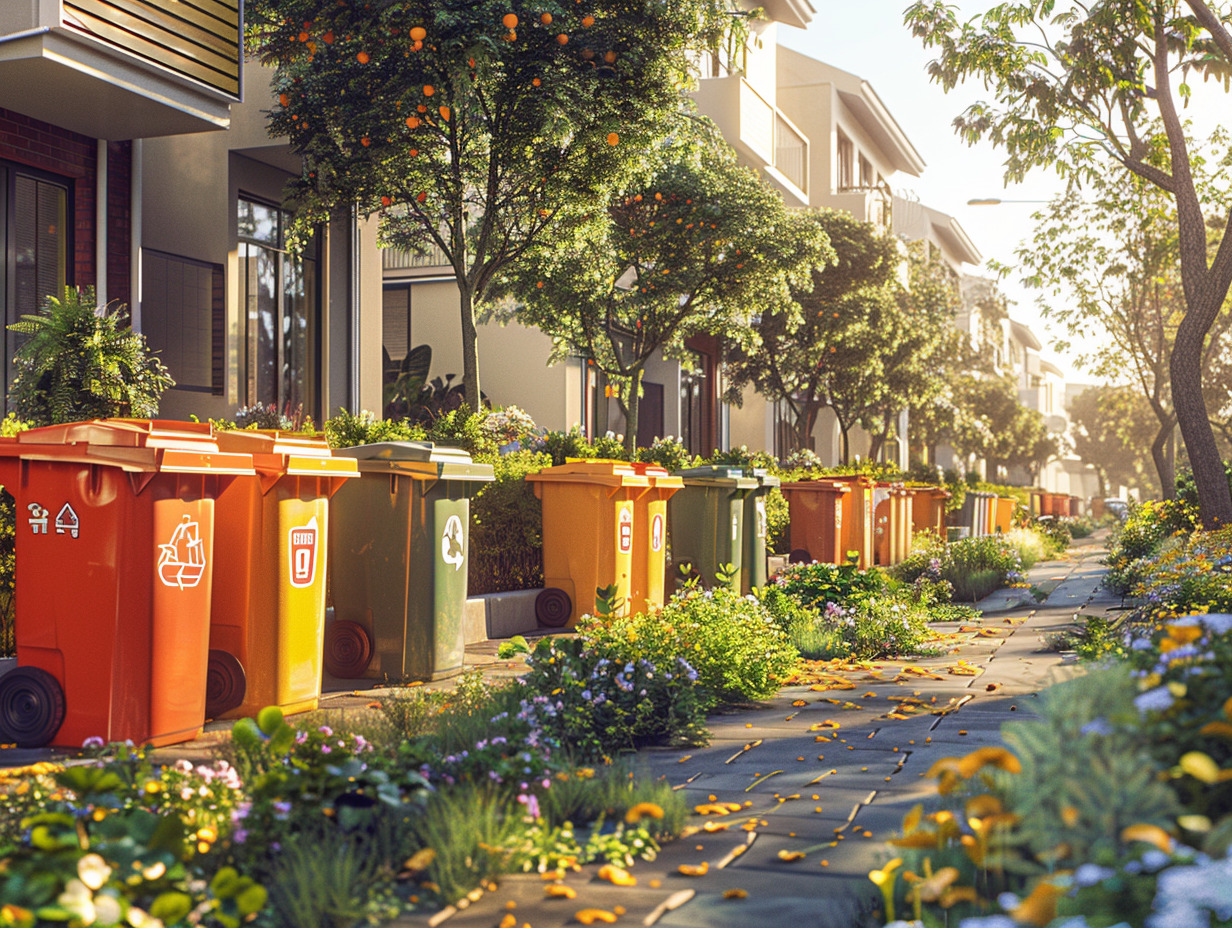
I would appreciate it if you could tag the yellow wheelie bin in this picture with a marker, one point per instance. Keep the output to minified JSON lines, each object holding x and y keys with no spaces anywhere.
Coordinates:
{"x":267,"y":620}
{"x":648,"y":583}
{"x":588,"y":536}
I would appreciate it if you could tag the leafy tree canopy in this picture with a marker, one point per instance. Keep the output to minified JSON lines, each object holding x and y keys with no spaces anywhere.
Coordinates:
{"x":1112,"y":76}
{"x":473,"y":124}
{"x":694,"y":243}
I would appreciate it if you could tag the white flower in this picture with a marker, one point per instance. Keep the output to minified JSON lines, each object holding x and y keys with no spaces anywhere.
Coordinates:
{"x":79,"y":900}
{"x":93,"y":871}
{"x":107,"y":910}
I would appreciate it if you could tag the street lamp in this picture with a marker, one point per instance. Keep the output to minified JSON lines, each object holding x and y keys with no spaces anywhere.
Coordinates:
{"x":993,"y":201}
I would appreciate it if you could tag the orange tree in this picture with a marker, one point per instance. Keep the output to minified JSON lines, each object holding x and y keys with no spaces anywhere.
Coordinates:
{"x":694,"y":243}
{"x":472,"y":125}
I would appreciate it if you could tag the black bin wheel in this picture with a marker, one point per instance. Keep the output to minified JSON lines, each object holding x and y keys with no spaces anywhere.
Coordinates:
{"x":348,"y":649}
{"x":31,"y":707}
{"x":800,"y":556}
{"x":225,"y":683}
{"x":553,"y":607}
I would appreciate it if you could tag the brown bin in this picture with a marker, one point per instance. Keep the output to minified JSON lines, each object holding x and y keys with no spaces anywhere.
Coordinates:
{"x":816,"y":528}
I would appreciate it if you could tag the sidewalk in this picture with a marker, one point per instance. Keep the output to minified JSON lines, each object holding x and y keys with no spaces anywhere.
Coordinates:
{"x":848,"y":794}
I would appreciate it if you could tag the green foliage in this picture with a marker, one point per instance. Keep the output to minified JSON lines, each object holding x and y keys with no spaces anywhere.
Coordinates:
{"x":346,"y":430}
{"x":330,"y":880}
{"x":1141,"y":536}
{"x":109,"y":844}
{"x":668,"y":452}
{"x":1113,"y":428}
{"x":693,"y":243}
{"x":842,"y":611}
{"x":603,"y":692}
{"x":316,"y":782}
{"x":422,"y":124}
{"x":507,"y":527}
{"x":78,"y":363}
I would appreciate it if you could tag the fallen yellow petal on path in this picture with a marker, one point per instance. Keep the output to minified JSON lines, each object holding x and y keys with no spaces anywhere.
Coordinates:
{"x":616,"y":876}
{"x":790,"y":856}
{"x":590,"y":916}
{"x":560,"y":891}
{"x":694,"y":869}
{"x":735,"y":894}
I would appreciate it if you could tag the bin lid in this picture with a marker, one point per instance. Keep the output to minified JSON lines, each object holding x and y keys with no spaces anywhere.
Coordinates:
{"x":659,"y":475}
{"x":720,"y":475}
{"x":817,"y":485}
{"x":765,"y":478}
{"x":417,"y":459}
{"x":277,"y":453}
{"x":139,"y":445}
{"x":599,"y":471}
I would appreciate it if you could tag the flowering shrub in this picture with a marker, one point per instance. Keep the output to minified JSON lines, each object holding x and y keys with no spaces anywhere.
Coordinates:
{"x":850,"y":612}
{"x":731,"y":642}
{"x":346,"y":430}
{"x":667,"y":452}
{"x":508,"y":425}
{"x":117,"y":841}
{"x":1140,"y":537}
{"x":596,"y":699}
{"x":1186,"y":576}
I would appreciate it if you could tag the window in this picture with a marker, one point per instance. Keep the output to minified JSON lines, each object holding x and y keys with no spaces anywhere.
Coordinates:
{"x":34,"y":248}
{"x":278,"y":293}
{"x":183,"y":315}
{"x":868,"y":177}
{"x":846,"y":163}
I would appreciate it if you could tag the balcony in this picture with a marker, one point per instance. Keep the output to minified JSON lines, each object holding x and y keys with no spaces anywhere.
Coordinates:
{"x":868,"y":204}
{"x":121,"y":69}
{"x":763,"y":136}
{"x":397,"y":263}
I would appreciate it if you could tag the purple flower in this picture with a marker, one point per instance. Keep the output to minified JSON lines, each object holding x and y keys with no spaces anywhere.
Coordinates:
{"x":1159,"y":699}
{"x":94,"y":741}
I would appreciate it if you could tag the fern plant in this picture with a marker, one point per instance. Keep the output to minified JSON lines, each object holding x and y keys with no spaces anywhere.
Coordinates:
{"x":79,"y":361}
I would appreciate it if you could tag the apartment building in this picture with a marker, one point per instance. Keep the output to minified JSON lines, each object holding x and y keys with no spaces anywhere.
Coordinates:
{"x":134,"y":160}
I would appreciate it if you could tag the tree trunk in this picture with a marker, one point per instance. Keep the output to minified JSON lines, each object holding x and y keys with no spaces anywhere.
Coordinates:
{"x":1214,"y":497}
{"x":844,"y":444}
{"x":1163,"y":460}
{"x":470,"y":347}
{"x":632,"y":402}
{"x":805,"y":423}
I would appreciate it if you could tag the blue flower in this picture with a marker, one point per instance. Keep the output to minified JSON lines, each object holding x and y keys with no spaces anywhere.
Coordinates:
{"x":1159,"y":699}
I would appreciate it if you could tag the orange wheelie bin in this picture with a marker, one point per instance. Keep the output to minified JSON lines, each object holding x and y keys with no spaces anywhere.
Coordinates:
{"x":588,"y":536}
{"x":928,"y":510}
{"x":115,"y":557}
{"x":815,"y":510}
{"x":857,"y":535}
{"x":267,"y":621}
{"x":1005,"y":513}
{"x":648,"y":583}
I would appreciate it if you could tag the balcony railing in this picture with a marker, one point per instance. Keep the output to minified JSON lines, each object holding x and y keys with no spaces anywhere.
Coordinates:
{"x":398,"y":259}
{"x":790,"y":152}
{"x":197,"y":39}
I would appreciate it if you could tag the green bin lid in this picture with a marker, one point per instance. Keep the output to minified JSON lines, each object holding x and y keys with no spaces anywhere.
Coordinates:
{"x":421,"y":458}
{"x":718,"y":475}
{"x":765,"y":478}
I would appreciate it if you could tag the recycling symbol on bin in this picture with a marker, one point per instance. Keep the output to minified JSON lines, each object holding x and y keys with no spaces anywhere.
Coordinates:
{"x":453,"y":543}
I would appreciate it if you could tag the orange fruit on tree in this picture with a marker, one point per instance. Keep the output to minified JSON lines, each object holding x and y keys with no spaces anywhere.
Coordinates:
{"x":510,"y":21}
{"x":546,"y":19}
{"x":613,"y":138}
{"x":419,"y":33}
{"x":511,"y":36}
{"x":328,"y":38}
{"x":365,"y":141}
{"x":362,"y":57}
{"x":587,"y":54}
{"x":609,"y":57}
{"x":429,"y":90}
{"x":535,"y":82}
{"x":414,"y":152}
{"x":282,"y":98}
{"x":562,"y":39}
{"x":444,"y":111}
{"x":412,"y":122}
{"x":416,"y":46}
{"x":587,"y":21}
{"x":303,"y":37}
{"x":421,"y":108}
{"x":385,"y":201}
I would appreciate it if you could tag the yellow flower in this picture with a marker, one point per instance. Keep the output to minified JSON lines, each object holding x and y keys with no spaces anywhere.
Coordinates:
{"x":1040,"y":907}
{"x":643,"y":810}
{"x":1152,"y":834}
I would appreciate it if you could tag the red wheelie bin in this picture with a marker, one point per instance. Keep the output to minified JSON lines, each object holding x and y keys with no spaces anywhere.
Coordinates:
{"x":115,"y":553}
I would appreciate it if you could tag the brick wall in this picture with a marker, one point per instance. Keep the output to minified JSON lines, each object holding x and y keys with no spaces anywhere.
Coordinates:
{"x":74,"y":157}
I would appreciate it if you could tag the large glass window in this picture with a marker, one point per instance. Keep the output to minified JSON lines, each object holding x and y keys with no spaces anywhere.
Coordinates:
{"x":34,"y":248}
{"x":183,"y":315}
{"x":279,"y":294}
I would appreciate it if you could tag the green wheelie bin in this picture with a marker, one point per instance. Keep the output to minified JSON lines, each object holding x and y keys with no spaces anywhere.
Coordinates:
{"x":398,"y":545}
{"x":755,"y":531}
{"x":706,"y":520}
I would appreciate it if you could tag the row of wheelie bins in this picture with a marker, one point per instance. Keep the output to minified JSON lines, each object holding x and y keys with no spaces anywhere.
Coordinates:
{"x":606,"y":525}
{"x":168,"y":572}
{"x":1056,"y":505}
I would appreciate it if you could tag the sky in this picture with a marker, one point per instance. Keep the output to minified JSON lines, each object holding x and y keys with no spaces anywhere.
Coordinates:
{"x":869,"y":39}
